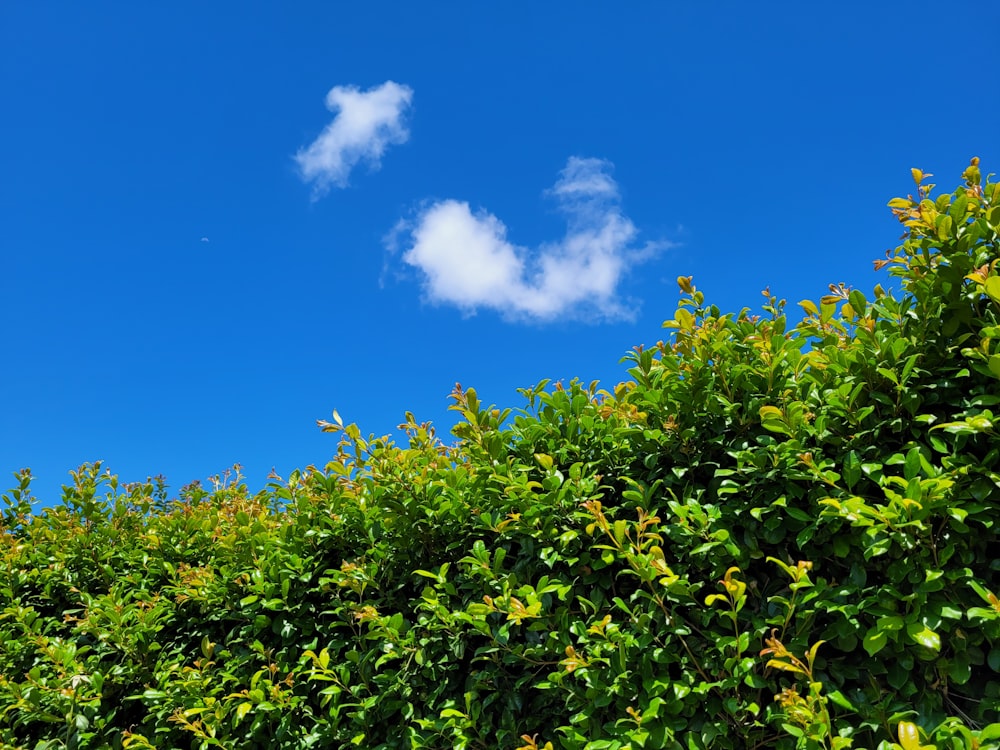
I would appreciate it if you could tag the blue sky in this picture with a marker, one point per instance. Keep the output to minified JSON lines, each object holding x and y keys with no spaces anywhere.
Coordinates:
{"x":220,"y":221}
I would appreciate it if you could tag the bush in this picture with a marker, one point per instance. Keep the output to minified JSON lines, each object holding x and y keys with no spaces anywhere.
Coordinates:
{"x":768,"y":536}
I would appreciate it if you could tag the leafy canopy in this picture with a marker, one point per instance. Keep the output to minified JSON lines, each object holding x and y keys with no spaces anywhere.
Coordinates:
{"x":769,"y":535}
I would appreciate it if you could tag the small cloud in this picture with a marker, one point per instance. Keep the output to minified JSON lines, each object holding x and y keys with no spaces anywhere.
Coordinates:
{"x":204,"y":239}
{"x":467,"y":260}
{"x":365,"y":123}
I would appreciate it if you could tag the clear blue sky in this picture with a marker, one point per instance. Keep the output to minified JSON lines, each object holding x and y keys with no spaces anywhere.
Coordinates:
{"x":219,"y":221}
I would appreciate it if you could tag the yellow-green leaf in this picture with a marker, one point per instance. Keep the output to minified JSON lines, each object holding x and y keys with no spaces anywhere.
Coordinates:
{"x":810,"y":307}
{"x":811,"y":655}
{"x":909,"y":736}
{"x":619,"y":531}
{"x":923,"y":635}
{"x":785,"y":666}
{"x":993,"y":288}
{"x":685,"y":320}
{"x":827,"y":309}
{"x":943,"y":227}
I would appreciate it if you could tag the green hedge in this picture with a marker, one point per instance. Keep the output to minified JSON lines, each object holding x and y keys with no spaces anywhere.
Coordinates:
{"x":769,"y":536}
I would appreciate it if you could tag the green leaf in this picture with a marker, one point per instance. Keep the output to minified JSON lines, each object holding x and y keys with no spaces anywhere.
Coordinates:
{"x":957,"y":209}
{"x":858,"y":302}
{"x":911,"y":468}
{"x":923,"y":635}
{"x":989,"y":732}
{"x":841,"y":700}
{"x":888,"y":374}
{"x":983,"y":593}
{"x":773,"y":420}
{"x":994,"y":365}
{"x":890,"y":623}
{"x":874,"y":641}
{"x":851,"y":469}
{"x":792,"y":729}
{"x":960,"y":670}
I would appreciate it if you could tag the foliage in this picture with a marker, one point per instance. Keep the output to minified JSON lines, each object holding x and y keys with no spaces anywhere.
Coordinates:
{"x":769,"y":536}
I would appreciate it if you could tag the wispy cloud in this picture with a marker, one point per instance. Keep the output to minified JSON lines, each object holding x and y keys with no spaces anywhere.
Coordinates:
{"x":365,"y":123}
{"x":467,"y":260}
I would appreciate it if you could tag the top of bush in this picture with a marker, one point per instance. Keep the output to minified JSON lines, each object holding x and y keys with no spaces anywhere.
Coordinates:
{"x":768,"y":536}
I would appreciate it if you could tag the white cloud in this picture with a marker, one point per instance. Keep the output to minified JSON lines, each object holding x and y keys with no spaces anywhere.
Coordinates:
{"x":365,"y":123}
{"x":467,"y":260}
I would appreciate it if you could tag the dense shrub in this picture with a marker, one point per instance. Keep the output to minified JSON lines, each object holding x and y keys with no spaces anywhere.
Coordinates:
{"x":768,"y":536}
